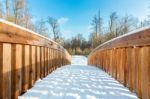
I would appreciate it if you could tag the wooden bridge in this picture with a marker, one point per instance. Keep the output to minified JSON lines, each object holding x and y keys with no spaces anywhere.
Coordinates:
{"x":26,"y":57}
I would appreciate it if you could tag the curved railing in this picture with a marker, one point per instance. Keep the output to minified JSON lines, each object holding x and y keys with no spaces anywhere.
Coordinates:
{"x":26,"y":57}
{"x":127,"y":59}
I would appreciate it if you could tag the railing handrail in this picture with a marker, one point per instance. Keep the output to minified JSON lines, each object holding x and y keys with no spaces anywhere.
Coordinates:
{"x":26,"y":33}
{"x":134,"y":32}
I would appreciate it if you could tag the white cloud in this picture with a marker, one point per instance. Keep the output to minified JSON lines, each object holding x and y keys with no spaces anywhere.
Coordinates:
{"x":62,"y":20}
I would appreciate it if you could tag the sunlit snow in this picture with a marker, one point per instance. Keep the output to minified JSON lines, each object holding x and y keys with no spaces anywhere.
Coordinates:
{"x":78,"y":81}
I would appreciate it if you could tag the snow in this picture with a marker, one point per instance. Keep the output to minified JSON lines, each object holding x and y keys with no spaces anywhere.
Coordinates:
{"x":78,"y":82}
{"x":78,"y":60}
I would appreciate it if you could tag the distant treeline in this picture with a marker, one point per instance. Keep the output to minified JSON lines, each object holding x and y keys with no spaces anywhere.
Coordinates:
{"x":117,"y":26}
{"x":17,"y":11}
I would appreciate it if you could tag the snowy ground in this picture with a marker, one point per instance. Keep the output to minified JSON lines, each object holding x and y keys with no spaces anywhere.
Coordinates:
{"x":78,"y":60}
{"x":78,"y":82}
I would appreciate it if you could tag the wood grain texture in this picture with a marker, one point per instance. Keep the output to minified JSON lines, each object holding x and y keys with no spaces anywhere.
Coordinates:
{"x":11,"y":33}
{"x":16,"y":70}
{"x":127,"y":59}
{"x":25,"y":67}
{"x":145,"y":71}
{"x":24,"y":58}
{"x":38,"y":63}
{"x":5,"y":71}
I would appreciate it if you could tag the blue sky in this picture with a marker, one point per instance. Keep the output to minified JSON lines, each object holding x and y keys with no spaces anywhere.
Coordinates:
{"x":75,"y":15}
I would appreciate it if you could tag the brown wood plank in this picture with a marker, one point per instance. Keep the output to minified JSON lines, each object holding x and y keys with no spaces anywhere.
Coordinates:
{"x":42,"y":61}
{"x":123,"y":65}
{"x":50,"y":59}
{"x":5,"y":71}
{"x":16,"y":70}
{"x":145,"y":58}
{"x":139,"y":71}
{"x":10,"y":33}
{"x":38,"y":63}
{"x":140,"y":38}
{"x":32,"y":67}
{"x":46,"y":61}
{"x":133,"y":66}
{"x":25,"y":69}
{"x":128,"y":68}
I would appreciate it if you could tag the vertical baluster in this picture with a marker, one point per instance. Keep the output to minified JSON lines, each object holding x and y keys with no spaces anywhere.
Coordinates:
{"x":5,"y":71}
{"x":16,"y":70}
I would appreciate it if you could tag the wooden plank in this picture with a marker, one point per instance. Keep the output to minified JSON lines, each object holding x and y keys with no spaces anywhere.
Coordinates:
{"x":138,"y":71}
{"x":53,"y":59}
{"x":26,"y":65}
{"x":42,"y":61}
{"x":46,"y":61}
{"x":133,"y":66}
{"x":60,"y":59}
{"x":118,"y":64}
{"x":110,"y":65}
{"x":16,"y":70}
{"x":114,"y":63}
{"x":32,"y":67}
{"x":123,"y":65}
{"x":38,"y":63}
{"x":145,"y":63}
{"x":138,"y":38}
{"x":58,"y":62}
{"x":128,"y":68}
{"x":5,"y":71}
{"x":12,"y":33}
{"x":57,"y":58}
{"x":50,"y":59}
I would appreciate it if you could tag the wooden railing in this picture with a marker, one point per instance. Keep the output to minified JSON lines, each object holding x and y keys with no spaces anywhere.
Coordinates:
{"x":24,"y":58}
{"x":127,"y":59}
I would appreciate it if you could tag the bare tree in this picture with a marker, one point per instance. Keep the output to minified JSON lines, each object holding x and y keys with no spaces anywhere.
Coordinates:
{"x":55,"y":28}
{"x":96,"y":35}
{"x":1,"y":10}
{"x":18,"y":8}
{"x":26,"y":19}
{"x":97,"y":23}
{"x":113,"y":24}
{"x":41,"y":28}
{"x":7,"y":8}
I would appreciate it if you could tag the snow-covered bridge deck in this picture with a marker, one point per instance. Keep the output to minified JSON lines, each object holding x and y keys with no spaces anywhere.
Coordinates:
{"x":78,"y":81}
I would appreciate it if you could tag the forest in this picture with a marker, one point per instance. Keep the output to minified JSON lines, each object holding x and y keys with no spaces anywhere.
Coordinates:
{"x":18,"y":12}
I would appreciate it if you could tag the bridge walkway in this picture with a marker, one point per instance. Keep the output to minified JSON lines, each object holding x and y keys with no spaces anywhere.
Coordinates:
{"x":78,"y":81}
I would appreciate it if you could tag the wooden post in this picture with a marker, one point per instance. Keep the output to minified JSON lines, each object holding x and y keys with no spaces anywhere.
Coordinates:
{"x":145,"y":63}
{"x":5,"y":71}
{"x":42,"y":61}
{"x":138,"y":72}
{"x":26,"y":65}
{"x":32,"y":67}
{"x":38,"y":63}
{"x":45,"y":62}
{"x":16,"y":82}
